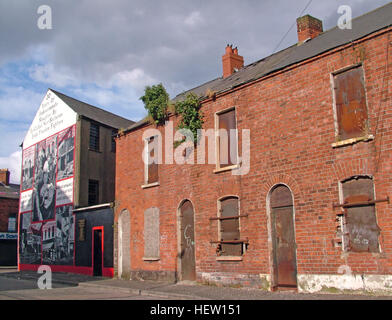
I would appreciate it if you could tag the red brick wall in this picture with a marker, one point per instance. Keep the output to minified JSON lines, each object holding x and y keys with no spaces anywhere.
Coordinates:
{"x":291,"y":120}
{"x":7,"y":207}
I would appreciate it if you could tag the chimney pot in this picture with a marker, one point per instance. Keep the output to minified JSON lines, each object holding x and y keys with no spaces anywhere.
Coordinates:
{"x":308,"y":27}
{"x":5,"y":176}
{"x":231,"y":61}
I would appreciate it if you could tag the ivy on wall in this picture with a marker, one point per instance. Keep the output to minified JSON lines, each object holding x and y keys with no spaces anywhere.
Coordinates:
{"x":191,"y":116}
{"x":156,"y":102}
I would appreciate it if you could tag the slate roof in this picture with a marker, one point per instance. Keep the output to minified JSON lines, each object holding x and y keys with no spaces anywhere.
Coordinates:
{"x":362,"y":26}
{"x":94,"y":113}
{"x":11,"y":191}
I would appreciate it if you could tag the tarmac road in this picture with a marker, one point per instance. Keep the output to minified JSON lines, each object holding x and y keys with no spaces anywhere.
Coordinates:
{"x":66,"y":286}
{"x":21,"y":289}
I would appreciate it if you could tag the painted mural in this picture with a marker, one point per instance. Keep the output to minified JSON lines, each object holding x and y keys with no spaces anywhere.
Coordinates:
{"x":47,"y":223}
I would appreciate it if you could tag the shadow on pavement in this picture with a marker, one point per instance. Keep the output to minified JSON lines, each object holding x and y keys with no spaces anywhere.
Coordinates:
{"x":21,"y":280}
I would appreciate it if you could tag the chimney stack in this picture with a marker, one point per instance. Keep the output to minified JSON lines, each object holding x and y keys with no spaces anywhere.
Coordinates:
{"x":5,"y":176}
{"x":231,"y":61}
{"x":308,"y":27}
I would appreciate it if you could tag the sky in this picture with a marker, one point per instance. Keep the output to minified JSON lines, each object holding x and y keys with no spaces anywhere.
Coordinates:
{"x":106,"y":52}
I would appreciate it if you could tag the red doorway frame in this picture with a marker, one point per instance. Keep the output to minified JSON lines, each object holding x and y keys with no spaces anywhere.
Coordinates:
{"x":92,"y":248}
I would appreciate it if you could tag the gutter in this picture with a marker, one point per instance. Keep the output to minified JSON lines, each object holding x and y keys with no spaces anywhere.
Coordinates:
{"x":278,"y":71}
{"x":98,"y":206}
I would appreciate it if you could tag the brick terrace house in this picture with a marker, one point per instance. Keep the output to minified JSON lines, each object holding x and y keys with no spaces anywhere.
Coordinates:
{"x":9,"y":203}
{"x":313,"y":212}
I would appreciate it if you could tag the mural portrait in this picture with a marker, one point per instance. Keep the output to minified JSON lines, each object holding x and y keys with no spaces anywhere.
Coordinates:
{"x":46,"y":230}
{"x":66,"y":146}
{"x":28,"y":168}
{"x":29,"y":240}
{"x":65,"y":222}
{"x":45,"y":179}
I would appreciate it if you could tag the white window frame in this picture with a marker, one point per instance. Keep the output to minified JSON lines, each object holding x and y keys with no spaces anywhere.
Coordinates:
{"x":146,"y":184}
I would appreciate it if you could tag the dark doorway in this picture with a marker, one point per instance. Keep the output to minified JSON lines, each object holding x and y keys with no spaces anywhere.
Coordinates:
{"x":97,"y":252}
{"x":283,"y":238}
{"x":187,"y":254}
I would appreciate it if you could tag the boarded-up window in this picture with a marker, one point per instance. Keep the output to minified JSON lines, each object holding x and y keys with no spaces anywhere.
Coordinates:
{"x":350,"y":99}
{"x":227,"y":138}
{"x":94,"y":136}
{"x":152,"y":164}
{"x":230,"y":227}
{"x":151,"y":233}
{"x":361,"y":229}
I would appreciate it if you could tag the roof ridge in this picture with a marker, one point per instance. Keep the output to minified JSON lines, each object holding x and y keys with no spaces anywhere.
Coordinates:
{"x":86,"y":103}
{"x":310,"y":46}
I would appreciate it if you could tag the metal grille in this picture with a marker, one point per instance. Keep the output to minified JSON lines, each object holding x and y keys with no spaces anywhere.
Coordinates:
{"x":230,"y":228}
{"x":94,"y":136}
{"x":361,"y":226}
{"x":93,"y":192}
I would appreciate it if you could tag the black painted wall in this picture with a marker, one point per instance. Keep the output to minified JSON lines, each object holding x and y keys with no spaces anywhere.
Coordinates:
{"x":94,"y":218}
{"x":8,"y":252}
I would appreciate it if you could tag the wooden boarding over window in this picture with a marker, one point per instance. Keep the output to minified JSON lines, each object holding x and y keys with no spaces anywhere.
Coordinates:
{"x":153,"y":166}
{"x":230,"y":231}
{"x":361,"y":222}
{"x":227,"y":152}
{"x":350,"y":99}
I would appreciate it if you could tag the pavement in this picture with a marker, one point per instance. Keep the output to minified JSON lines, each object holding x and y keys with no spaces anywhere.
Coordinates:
{"x":175,"y":291}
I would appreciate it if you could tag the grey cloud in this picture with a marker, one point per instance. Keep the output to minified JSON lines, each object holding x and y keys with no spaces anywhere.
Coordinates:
{"x":97,"y":39}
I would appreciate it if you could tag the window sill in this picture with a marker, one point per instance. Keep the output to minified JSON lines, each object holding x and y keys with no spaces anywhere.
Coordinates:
{"x":229,"y":258}
{"x":233,"y":167}
{"x":94,"y":150}
{"x":150,"y":259}
{"x":352,"y":141}
{"x":150,"y":185}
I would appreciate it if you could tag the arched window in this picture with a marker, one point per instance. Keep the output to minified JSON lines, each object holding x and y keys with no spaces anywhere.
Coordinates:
{"x":230,"y":242}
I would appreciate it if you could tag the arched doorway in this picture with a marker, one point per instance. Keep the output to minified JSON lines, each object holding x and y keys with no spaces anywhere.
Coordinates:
{"x":124,"y":238}
{"x":283,"y":238}
{"x":187,"y":241}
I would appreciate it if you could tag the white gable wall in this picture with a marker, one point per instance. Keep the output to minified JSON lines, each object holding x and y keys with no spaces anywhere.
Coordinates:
{"x":52,"y":116}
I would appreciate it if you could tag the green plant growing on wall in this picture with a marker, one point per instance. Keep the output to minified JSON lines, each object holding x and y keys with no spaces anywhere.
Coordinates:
{"x":155,"y":101}
{"x":191,"y":116}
